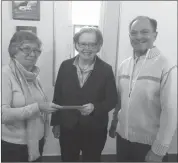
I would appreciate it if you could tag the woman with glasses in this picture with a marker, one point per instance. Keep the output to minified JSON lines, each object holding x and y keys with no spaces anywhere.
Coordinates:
{"x":25,"y":107}
{"x":88,"y":83}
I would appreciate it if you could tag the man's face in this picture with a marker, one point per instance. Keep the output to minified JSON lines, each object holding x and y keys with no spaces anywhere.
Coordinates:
{"x":142,"y":35}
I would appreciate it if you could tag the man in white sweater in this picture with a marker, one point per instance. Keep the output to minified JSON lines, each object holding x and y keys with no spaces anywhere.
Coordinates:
{"x":147,"y":85}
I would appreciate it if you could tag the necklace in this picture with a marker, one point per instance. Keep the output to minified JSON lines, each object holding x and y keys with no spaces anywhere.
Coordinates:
{"x":84,"y":68}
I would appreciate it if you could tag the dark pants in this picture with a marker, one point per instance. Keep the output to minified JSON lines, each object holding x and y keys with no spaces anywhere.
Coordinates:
{"x":17,"y":153}
{"x":132,"y":152}
{"x":91,"y":143}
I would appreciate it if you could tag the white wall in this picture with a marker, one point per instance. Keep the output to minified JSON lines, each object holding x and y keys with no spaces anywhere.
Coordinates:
{"x":165,"y":12}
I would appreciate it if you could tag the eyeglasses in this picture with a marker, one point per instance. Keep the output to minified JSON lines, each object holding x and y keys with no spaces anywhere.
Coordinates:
{"x":28,"y":50}
{"x":89,"y":45}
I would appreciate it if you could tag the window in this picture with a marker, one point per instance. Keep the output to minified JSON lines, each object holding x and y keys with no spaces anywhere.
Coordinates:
{"x":85,"y":13}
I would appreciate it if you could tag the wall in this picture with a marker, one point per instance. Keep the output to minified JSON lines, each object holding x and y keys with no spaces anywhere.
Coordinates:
{"x":165,"y":12}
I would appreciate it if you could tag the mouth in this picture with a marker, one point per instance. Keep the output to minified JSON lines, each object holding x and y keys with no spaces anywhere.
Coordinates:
{"x":31,"y":59}
{"x":139,"y":42}
{"x":87,"y":53}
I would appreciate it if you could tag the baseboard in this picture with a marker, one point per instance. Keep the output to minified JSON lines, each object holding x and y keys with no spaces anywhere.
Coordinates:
{"x":104,"y":158}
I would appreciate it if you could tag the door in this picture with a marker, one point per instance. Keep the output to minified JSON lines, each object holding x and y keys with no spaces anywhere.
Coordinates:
{"x":62,"y":34}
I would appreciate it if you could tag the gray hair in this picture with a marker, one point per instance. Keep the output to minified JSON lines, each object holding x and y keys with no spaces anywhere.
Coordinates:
{"x":18,"y":39}
{"x":153,"y":22}
{"x":89,"y":29}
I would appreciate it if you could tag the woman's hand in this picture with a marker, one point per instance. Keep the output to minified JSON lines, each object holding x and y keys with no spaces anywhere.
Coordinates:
{"x":48,"y":107}
{"x":56,"y":131}
{"x":112,"y":131}
{"x":88,"y":108}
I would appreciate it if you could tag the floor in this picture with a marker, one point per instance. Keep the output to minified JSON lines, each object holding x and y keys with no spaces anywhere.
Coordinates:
{"x":104,"y":158}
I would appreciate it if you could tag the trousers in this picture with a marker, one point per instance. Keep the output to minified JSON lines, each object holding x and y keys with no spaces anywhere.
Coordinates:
{"x":11,"y":152}
{"x":76,"y":141}
{"x":131,"y":151}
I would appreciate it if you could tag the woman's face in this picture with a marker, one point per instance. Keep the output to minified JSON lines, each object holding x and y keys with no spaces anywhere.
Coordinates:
{"x":87,"y":46}
{"x":28,"y":54}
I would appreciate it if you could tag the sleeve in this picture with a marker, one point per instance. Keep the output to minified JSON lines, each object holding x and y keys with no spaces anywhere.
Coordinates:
{"x":118,"y":106}
{"x":110,"y":95}
{"x":9,"y":114}
{"x":168,"y":118}
{"x":57,"y":96}
{"x":47,"y":125}
{"x":115,"y":117}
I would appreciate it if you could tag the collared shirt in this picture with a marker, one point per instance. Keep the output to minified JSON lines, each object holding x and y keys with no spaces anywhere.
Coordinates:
{"x":83,"y":75}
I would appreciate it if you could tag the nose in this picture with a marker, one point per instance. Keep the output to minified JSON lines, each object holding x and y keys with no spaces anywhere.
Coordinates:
{"x":32,"y":53}
{"x":87,"y":46}
{"x":139,"y":36}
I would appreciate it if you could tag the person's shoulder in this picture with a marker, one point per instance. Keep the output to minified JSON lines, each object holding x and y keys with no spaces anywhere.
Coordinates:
{"x":126,"y":61}
{"x":68,"y":62}
{"x":103,"y":64}
{"x":166,"y":62}
{"x":6,"y":70}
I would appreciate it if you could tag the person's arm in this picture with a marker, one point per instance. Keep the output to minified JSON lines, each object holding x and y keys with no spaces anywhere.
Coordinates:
{"x":110,"y":95}
{"x":168,"y":118}
{"x":115,"y":114}
{"x":57,"y":96}
{"x":114,"y":121}
{"x":10,"y":114}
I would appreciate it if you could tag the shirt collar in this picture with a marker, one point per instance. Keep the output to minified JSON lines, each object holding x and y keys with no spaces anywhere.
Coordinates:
{"x":91,"y":67}
{"x":153,"y":53}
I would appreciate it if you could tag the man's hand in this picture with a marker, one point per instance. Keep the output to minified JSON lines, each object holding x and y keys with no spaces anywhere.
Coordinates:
{"x":152,"y":157}
{"x":56,"y":131}
{"x":112,"y":131}
{"x":88,"y":108}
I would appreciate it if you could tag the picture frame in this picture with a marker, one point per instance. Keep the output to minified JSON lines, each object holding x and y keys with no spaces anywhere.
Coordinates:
{"x":27,"y":28}
{"x":26,"y":10}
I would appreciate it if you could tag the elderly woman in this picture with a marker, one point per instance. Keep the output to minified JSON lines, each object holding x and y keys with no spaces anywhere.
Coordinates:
{"x":25,"y":107}
{"x":88,"y":83}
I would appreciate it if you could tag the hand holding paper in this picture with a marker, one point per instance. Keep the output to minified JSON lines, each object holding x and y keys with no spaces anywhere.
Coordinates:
{"x":48,"y":107}
{"x":88,"y":108}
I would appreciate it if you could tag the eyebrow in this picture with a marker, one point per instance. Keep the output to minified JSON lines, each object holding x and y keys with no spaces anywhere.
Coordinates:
{"x":141,"y":30}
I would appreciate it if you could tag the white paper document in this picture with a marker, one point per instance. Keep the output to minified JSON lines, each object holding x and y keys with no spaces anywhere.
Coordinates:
{"x":72,"y":107}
